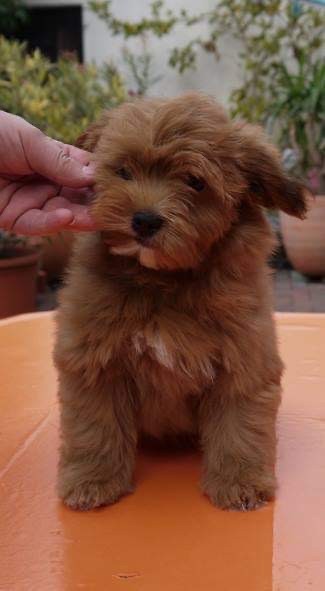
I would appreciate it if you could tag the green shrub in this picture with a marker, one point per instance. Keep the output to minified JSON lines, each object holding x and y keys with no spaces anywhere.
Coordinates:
{"x":297,"y":114}
{"x":60,"y":98}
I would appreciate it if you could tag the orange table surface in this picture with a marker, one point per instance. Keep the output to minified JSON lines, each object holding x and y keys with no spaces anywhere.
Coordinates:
{"x":166,"y":536}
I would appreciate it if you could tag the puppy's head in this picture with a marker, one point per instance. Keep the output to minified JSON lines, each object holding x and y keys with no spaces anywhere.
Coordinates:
{"x":172,"y":175}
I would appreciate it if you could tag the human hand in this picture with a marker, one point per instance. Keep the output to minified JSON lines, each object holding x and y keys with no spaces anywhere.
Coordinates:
{"x":45,"y":185}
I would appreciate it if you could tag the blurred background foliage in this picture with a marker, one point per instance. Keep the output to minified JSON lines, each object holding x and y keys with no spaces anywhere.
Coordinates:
{"x":60,"y":98}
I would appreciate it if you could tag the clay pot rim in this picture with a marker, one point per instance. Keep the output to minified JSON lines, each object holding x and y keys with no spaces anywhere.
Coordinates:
{"x":27,"y":258}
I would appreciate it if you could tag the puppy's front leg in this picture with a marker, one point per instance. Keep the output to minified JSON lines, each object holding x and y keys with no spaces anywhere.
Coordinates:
{"x":98,"y":441}
{"x":238,"y":438}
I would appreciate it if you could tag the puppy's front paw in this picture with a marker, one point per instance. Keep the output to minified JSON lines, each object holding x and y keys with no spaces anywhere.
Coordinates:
{"x":90,"y":495}
{"x":239,"y":496}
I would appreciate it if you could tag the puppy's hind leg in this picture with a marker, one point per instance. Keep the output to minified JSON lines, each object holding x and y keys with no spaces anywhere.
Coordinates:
{"x":238,"y":438}
{"x":98,"y":444}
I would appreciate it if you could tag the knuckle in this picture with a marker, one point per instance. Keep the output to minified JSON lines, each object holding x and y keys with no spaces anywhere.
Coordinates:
{"x":63,"y":160}
{"x":36,"y":135}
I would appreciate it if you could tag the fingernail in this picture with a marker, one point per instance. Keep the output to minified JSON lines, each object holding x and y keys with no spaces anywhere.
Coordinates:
{"x":89,"y":170}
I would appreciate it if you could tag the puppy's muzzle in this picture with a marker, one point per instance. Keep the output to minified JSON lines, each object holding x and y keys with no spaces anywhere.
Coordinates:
{"x":146,"y":224}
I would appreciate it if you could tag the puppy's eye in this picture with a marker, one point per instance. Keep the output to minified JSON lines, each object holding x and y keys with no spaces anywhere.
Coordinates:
{"x":196,"y":183}
{"x":255,"y":187}
{"x":124,"y":173}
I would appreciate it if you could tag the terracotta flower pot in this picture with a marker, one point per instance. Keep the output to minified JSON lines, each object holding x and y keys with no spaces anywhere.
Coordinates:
{"x":18,"y":283}
{"x":304,"y":240}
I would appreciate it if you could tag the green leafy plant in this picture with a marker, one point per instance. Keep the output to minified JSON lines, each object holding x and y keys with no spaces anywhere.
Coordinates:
{"x":160,"y":21}
{"x":298,"y":115}
{"x":140,"y":67}
{"x":60,"y":98}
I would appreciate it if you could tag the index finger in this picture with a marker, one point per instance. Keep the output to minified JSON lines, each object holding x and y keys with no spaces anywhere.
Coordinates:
{"x":36,"y":222}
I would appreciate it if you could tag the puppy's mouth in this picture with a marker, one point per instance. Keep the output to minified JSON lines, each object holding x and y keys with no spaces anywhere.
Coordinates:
{"x":147,"y":242}
{"x":139,"y":240}
{"x":142,"y":250}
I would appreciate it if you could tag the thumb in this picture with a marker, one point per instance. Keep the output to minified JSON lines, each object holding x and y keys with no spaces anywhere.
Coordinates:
{"x":54,"y":160}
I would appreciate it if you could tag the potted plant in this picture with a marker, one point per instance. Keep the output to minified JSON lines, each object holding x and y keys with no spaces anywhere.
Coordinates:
{"x":299,"y":116}
{"x":19,"y":262}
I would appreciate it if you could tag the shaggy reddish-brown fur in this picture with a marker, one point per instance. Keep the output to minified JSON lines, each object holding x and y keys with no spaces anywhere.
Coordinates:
{"x":173,"y":334}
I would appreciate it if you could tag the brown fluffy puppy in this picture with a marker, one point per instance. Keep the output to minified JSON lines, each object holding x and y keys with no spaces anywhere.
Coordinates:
{"x":165,"y":324}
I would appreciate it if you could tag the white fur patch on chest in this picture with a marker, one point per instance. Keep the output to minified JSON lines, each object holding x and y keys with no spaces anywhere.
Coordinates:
{"x":155,"y":347}
{"x":152,"y":344}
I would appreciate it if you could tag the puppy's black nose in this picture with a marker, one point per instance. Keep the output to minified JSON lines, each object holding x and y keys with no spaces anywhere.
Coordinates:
{"x":146,"y":223}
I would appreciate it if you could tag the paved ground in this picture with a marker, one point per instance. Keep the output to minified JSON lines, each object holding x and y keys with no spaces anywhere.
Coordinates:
{"x":292,"y":293}
{"x":295,"y":293}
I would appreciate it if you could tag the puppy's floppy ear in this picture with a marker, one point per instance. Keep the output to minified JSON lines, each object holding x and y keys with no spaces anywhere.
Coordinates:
{"x":268,"y":183}
{"x":89,"y":138}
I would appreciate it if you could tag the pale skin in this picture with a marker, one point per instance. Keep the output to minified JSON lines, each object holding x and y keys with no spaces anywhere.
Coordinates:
{"x":45,"y":185}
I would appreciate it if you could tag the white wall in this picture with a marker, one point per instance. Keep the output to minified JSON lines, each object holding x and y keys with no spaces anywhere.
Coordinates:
{"x":212,"y":77}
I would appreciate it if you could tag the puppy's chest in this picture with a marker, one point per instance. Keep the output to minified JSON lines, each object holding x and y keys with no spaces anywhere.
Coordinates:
{"x":174,"y":349}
